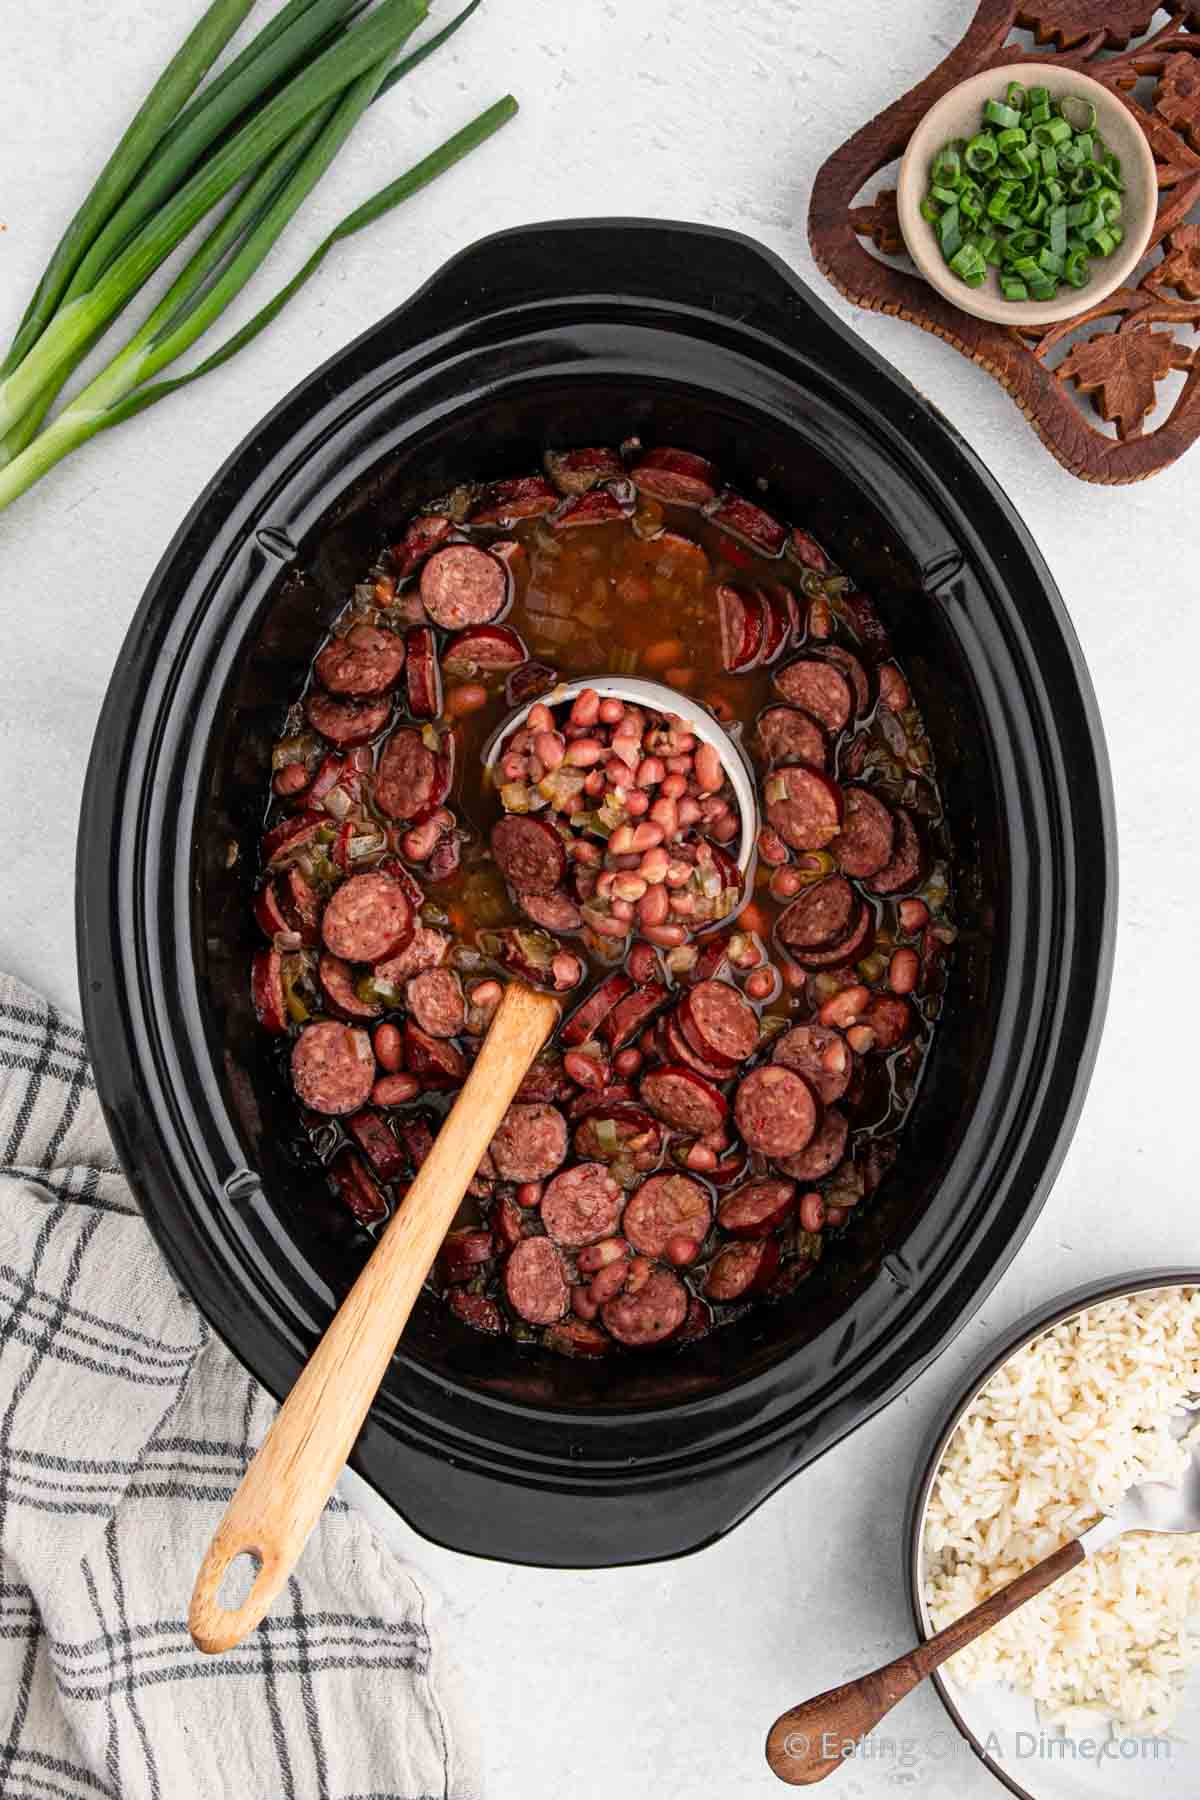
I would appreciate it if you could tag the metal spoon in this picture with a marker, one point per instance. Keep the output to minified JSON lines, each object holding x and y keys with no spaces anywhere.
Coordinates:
{"x":656,"y":698}
{"x":809,"y":1741}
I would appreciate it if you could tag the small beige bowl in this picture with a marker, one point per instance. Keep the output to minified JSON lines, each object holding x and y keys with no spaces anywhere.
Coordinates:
{"x":959,"y":114}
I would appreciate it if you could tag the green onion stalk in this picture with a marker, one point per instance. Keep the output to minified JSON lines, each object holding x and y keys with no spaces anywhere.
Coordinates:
{"x":249,"y":230}
{"x":74,"y":325}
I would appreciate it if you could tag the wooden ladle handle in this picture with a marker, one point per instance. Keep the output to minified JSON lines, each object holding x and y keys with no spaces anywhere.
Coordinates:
{"x":284,"y":1490}
{"x":810,"y":1741}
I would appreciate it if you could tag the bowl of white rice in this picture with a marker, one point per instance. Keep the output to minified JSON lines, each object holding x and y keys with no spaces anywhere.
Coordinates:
{"x":1093,"y":1689}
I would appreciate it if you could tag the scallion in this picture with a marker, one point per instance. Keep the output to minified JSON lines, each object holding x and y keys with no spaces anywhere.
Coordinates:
{"x":1034,"y":193}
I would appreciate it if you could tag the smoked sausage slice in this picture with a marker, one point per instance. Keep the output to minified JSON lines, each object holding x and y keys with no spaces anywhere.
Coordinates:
{"x":462,"y":585}
{"x":581,"y":1205}
{"x":333,"y":1067}
{"x":535,"y":1281}
{"x":530,"y":853}
{"x":367,"y":919}
{"x":654,"y":1312}
{"x":775,"y":1111}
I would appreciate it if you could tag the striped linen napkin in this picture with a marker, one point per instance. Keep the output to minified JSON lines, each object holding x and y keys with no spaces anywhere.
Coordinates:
{"x":124,"y":1428}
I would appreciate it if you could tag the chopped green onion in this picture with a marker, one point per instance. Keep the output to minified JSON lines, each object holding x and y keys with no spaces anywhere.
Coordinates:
{"x":981,"y":153}
{"x":1078,"y":114}
{"x":1076,"y":269}
{"x":1033,"y":193}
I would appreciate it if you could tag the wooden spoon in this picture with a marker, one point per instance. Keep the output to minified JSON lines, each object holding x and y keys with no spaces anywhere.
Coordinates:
{"x":810,"y":1741}
{"x":283,"y":1492}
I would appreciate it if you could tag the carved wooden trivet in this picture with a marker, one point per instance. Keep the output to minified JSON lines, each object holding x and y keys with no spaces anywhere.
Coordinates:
{"x":1116,"y":370}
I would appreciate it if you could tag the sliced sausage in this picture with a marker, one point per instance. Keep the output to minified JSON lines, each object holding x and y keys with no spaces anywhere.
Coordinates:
{"x":676,"y":1049}
{"x":535,"y":1281}
{"x":424,"y":534}
{"x":423,"y":676}
{"x":781,"y":622}
{"x":482,"y":649}
{"x":823,"y":914}
{"x":463,"y":1254}
{"x":785,"y":734}
{"x":286,"y":840}
{"x":847,"y":950}
{"x":775,"y":1111}
{"x":367,"y":919}
{"x":742,"y":619}
{"x":867,"y":840}
{"x":891,"y":1019}
{"x":684,"y":1099}
{"x":546,"y":1079}
{"x":333,"y":1067}
{"x":435,"y":1062}
{"x":581,"y":1205}
{"x":530,"y":853}
{"x":516,"y":497}
{"x":407,"y":777}
{"x":852,"y":669}
{"x":904,"y":869}
{"x":378,"y":1144}
{"x":666,"y":1207}
{"x":266,"y":991}
{"x":462,"y":585}
{"x":365,"y":662}
{"x":803,"y":806}
{"x":426,"y":949}
{"x":346,"y":722}
{"x":530,"y":1142}
{"x":269,"y":914}
{"x":742,"y":1270}
{"x":337,"y":981}
{"x":808,"y":553}
{"x":598,"y":508}
{"x":630,"y":1015}
{"x":676,"y":475}
{"x":586,"y":1020}
{"x":305,"y":903}
{"x":825,"y":1152}
{"x":553,"y":912}
{"x":757,"y":1208}
{"x":358,"y":1188}
{"x":719,"y":1023}
{"x":821,"y":1055}
{"x":576,"y":1337}
{"x":655,"y":1312}
{"x":742,"y":519}
{"x":820,"y":689}
{"x":477,"y":1311}
{"x":435,"y":1000}
{"x":578,"y":471}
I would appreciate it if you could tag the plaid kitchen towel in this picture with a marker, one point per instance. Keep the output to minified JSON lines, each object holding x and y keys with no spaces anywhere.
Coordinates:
{"x":124,"y":1429}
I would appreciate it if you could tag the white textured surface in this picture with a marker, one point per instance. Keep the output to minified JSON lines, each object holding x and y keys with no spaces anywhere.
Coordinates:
{"x":662,"y":1679}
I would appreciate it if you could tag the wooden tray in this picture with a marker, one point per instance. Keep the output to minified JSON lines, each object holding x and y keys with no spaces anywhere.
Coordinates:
{"x":1115,"y":371}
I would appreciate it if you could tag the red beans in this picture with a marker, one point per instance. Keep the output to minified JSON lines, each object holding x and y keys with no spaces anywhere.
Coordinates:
{"x":786,"y":883}
{"x":467,"y":698}
{"x":845,"y":1007}
{"x":586,"y":708}
{"x":761,"y":985}
{"x":700,"y":1158}
{"x":549,"y":747}
{"x":650,"y":771}
{"x":682,"y":1250}
{"x":529,"y":1193}
{"x":913,"y":915}
{"x":709,"y":774}
{"x":590,"y":1071}
{"x":291,"y":779}
{"x":667,"y":937}
{"x":612,"y":711}
{"x":904,"y":971}
{"x":812,"y":1212}
{"x":395,"y":1090}
{"x":585,"y":753}
{"x":539,"y":718}
{"x":861,"y":1038}
{"x":627,"y":1062}
{"x":389,"y":1048}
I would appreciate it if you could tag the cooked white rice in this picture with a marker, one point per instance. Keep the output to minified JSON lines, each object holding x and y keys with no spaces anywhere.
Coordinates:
{"x":1054,"y":1439}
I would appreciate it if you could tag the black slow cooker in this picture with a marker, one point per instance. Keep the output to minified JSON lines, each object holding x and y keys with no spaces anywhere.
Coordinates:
{"x":560,"y":334}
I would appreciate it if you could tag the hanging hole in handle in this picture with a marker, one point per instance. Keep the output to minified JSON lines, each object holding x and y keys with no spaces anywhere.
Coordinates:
{"x":238,"y":1581}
